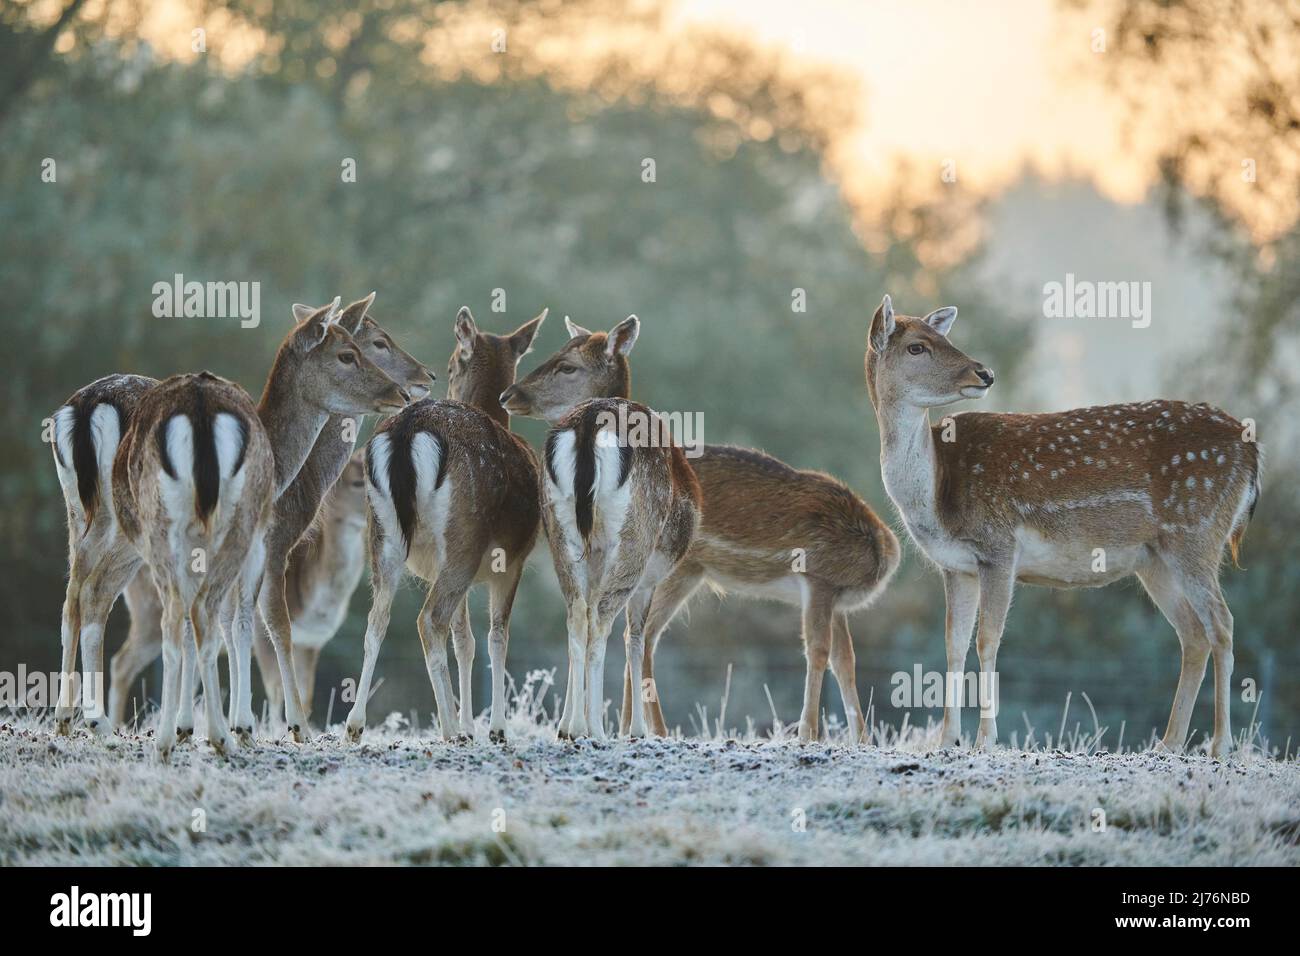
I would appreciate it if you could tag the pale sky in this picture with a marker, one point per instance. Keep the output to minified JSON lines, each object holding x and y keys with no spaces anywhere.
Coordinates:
{"x":990,"y":86}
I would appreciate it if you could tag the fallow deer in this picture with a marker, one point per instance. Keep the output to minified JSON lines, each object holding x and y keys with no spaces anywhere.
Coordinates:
{"x":1069,"y":499}
{"x":332,"y":442}
{"x":318,"y":372}
{"x":620,"y":515}
{"x":192,"y":489}
{"x":454,"y":499}
{"x":768,"y":531}
{"x":324,"y":571}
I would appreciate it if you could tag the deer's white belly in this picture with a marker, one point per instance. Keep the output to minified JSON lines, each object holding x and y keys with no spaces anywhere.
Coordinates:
{"x":1071,"y":562}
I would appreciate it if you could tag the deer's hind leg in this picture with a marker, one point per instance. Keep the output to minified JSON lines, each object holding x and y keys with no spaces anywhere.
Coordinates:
{"x":174,"y":615}
{"x":673,"y":592}
{"x":501,"y":600}
{"x":98,"y":594}
{"x":444,"y":601}
{"x":818,"y":610}
{"x":1201,"y":587}
{"x":1162,"y":586}
{"x":462,"y":642}
{"x":844,"y":668}
{"x":203,"y":619}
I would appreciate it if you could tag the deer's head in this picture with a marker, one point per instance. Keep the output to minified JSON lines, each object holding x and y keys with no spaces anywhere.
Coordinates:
{"x":911,"y":362}
{"x":328,"y":370}
{"x":483,"y":364}
{"x":378,"y":346}
{"x":345,"y":505}
{"x":590,"y":365}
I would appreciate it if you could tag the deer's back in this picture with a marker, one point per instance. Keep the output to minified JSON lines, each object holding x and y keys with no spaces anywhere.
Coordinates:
{"x":1135,"y":476}
{"x":761,"y":517}
{"x":481,"y":481}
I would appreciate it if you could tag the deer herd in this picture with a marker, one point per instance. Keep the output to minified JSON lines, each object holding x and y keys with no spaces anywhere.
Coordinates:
{"x":243,"y":525}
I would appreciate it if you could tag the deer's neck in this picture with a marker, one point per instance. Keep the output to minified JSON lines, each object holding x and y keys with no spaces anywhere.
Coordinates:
{"x":910,"y":465}
{"x":292,"y":426}
{"x":486,"y":397}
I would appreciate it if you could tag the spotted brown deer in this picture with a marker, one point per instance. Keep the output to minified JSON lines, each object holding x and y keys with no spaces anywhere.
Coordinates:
{"x":318,"y":372}
{"x":453,"y":499}
{"x":1069,"y":499}
{"x":324,"y":571}
{"x":762,"y":519}
{"x":192,"y":487}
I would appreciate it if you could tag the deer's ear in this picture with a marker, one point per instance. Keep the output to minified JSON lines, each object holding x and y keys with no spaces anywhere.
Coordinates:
{"x":882,"y":324}
{"x":313,"y":330}
{"x":466,"y":330}
{"x":623,"y":336}
{"x":301,"y":312}
{"x":351,"y":317}
{"x":521,"y":339}
{"x":941,"y":320}
{"x":574,"y":329}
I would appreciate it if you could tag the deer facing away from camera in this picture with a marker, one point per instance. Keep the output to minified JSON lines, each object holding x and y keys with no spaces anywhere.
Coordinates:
{"x":192,"y":487}
{"x":1064,"y":499}
{"x":761,"y":520}
{"x":294,"y":511}
{"x":318,"y":371}
{"x":324,"y":571}
{"x":453,"y":498}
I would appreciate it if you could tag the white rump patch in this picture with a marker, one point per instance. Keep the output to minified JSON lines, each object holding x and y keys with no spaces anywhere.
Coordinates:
{"x":564,"y":461}
{"x":378,"y":453}
{"x":177,"y":493}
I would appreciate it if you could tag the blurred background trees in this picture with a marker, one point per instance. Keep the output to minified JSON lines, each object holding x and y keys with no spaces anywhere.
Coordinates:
{"x":520,"y":169}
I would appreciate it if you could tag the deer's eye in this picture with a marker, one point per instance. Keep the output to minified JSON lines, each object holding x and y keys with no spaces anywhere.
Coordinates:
{"x":381,"y":344}
{"x":566,"y":369}
{"x":916,"y":348}
{"x":347,"y":358}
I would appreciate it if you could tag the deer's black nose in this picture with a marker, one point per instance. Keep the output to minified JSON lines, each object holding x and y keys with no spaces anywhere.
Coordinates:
{"x":985,"y":374}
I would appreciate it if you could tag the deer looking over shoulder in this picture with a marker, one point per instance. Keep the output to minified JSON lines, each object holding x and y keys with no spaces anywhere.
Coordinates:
{"x":758,"y":515}
{"x":1159,"y":489}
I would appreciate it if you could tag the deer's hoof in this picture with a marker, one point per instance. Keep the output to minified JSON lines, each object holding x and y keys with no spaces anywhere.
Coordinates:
{"x":244,"y":735}
{"x":63,"y":726}
{"x":164,"y":753}
{"x":462,"y":739}
{"x":497,"y":736}
{"x":353,"y":733}
{"x":183,"y":734}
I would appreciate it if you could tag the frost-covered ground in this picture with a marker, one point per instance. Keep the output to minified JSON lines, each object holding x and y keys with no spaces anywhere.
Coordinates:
{"x":401,"y":798}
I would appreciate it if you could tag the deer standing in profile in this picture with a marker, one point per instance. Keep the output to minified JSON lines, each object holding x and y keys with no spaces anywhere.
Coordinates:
{"x":319,"y":371}
{"x":324,"y":571}
{"x":767,"y":530}
{"x":330,"y":439}
{"x":192,"y":486}
{"x":1064,"y":499}
{"x":453,"y":499}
